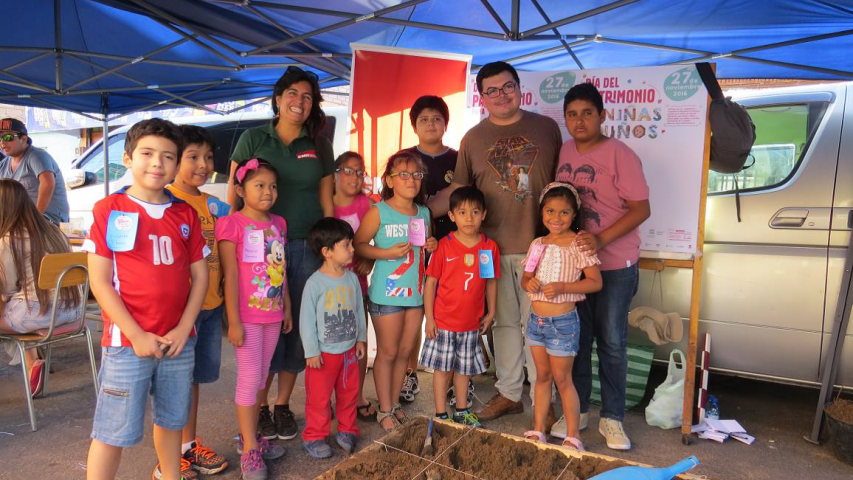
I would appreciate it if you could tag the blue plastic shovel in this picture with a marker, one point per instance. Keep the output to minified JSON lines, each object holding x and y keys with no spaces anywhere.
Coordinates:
{"x":647,"y":473}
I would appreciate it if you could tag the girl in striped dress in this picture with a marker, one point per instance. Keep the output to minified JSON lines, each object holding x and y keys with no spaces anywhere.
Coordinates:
{"x":552,"y":279}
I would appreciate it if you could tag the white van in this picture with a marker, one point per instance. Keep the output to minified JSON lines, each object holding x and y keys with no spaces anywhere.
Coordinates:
{"x":770,"y":282}
{"x":85,"y":181}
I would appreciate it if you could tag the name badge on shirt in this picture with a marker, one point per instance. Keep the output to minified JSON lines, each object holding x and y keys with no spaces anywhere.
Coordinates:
{"x":217,"y":207}
{"x":535,"y":256}
{"x":417,"y":231}
{"x":121,"y":231}
{"x":487,"y":266}
{"x":253,"y":245}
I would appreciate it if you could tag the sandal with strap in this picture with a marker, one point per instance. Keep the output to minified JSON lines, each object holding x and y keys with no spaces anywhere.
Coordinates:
{"x":535,"y":435}
{"x":399,"y":408}
{"x":573,"y":443}
{"x":380,"y":416}
{"x":364,"y":412}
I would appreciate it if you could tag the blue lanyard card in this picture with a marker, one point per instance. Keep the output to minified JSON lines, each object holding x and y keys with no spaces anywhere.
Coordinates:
{"x":487,"y":265}
{"x":217,"y":207}
{"x":121,"y":231}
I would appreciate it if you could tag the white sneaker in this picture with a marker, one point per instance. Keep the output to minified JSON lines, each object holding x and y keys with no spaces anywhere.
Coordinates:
{"x":559,"y":428}
{"x":614,"y":434}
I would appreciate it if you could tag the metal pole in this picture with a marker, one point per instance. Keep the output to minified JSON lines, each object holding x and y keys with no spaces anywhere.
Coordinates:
{"x":575,"y":18}
{"x":497,"y":17}
{"x":557,"y":32}
{"x":57,"y":34}
{"x":836,"y":342}
{"x":105,"y":108}
{"x":514,"y":20}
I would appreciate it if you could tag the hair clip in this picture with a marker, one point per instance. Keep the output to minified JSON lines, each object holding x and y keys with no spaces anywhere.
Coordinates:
{"x":554,"y":185}
{"x":242,"y":171}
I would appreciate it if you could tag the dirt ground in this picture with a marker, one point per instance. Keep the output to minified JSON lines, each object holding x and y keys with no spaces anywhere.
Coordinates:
{"x":777,"y":415}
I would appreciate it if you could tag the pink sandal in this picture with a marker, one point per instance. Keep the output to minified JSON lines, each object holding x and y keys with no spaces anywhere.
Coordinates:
{"x":535,"y":435}
{"x":573,"y":444}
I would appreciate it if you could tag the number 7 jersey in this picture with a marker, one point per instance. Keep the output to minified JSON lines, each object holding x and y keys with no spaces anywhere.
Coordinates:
{"x":461,"y":295}
{"x":153,"y":277}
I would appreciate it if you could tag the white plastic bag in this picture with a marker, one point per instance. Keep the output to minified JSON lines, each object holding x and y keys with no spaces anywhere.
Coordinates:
{"x":665,"y":409}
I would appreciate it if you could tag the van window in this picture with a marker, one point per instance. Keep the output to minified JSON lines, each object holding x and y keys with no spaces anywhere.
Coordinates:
{"x":95,"y":162}
{"x":783,"y":133}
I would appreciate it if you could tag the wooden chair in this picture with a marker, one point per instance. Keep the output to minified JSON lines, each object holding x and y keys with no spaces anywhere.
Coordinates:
{"x":57,"y":270}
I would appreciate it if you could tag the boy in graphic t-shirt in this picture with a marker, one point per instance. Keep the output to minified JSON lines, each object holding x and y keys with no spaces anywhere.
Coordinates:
{"x":461,"y":274}
{"x":608,"y":175}
{"x":149,"y":274}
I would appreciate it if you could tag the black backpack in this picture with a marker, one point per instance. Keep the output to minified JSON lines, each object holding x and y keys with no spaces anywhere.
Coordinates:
{"x":732,"y":130}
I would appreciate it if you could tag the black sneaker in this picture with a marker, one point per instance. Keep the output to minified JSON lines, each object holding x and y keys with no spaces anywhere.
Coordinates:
{"x":266,"y":426}
{"x":285,"y":423}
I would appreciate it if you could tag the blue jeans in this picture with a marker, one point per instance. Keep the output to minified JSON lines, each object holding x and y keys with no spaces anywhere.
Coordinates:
{"x":208,"y":347}
{"x":127,"y":381}
{"x":301,"y":264}
{"x":604,"y":315}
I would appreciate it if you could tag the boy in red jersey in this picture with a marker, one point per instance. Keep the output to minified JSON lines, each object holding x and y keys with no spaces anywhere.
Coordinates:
{"x":148,"y":272}
{"x":461,"y":274}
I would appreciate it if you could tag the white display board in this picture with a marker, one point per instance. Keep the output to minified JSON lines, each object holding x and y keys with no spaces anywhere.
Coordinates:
{"x":660,"y":112}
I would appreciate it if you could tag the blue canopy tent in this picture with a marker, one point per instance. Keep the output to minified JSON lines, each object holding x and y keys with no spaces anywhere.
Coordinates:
{"x":118,"y":56}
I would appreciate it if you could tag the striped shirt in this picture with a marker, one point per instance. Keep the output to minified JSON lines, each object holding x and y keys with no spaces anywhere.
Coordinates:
{"x":560,"y":264}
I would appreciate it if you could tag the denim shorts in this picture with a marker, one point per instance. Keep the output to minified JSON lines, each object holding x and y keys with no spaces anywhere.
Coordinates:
{"x":125,"y":382}
{"x":208,"y":347}
{"x":377,"y":310}
{"x":560,"y":335}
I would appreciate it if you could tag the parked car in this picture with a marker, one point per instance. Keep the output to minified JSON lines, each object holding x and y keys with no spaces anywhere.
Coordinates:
{"x":771,"y":281}
{"x":85,"y":181}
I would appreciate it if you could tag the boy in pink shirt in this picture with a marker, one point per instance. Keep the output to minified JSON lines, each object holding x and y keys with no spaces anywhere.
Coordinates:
{"x":615,"y":201}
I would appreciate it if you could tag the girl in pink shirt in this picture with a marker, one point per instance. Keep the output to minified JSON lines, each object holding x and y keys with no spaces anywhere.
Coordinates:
{"x":552,"y":279}
{"x":350,"y":206}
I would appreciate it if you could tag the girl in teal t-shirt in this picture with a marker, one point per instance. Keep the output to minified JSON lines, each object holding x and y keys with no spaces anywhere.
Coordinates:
{"x":398,"y":227}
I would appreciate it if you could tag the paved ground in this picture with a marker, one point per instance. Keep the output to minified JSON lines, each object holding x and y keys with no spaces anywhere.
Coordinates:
{"x":778,"y":416}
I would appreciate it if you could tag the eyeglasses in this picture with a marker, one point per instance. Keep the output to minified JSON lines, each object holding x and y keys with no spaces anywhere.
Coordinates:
{"x":406,"y":175}
{"x":299,"y":71}
{"x":350,"y":172}
{"x":509,"y":87}
{"x":8,"y":137}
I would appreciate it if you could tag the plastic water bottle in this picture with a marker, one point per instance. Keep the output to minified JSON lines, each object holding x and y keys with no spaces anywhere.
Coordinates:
{"x":647,"y":473}
{"x":713,"y":410}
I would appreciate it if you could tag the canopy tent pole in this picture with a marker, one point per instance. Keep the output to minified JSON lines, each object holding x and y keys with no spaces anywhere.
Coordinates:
{"x":105,"y":108}
{"x":329,"y":28}
{"x":557,"y":32}
{"x":514,"y":20}
{"x":575,"y":18}
{"x":829,"y":371}
{"x":497,"y":17}
{"x":57,"y":36}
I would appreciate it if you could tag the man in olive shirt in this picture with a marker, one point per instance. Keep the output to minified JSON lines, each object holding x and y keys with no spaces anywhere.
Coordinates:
{"x":510,"y":156}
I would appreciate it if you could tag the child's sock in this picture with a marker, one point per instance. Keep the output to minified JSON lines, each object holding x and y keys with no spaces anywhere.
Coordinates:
{"x":187,"y":446}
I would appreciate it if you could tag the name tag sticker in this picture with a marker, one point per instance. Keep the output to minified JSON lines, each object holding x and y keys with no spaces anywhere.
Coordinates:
{"x":121,"y":231}
{"x":487,"y":265}
{"x":534,"y":257}
{"x":417,"y":231}
{"x":253,"y":246}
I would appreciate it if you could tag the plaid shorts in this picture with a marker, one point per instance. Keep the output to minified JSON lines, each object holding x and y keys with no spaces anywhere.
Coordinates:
{"x":457,"y":351}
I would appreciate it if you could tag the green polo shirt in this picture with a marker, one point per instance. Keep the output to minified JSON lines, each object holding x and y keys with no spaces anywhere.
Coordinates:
{"x":300,"y":167}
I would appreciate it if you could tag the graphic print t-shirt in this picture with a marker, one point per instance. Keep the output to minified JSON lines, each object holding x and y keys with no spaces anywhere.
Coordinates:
{"x":200,"y":203}
{"x":153,"y":277}
{"x":510,"y":164}
{"x":260,"y":257}
{"x":331,"y":318}
{"x":606,"y":177}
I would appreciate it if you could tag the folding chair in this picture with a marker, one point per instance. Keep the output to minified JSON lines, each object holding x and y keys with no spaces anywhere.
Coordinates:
{"x":57,"y":270}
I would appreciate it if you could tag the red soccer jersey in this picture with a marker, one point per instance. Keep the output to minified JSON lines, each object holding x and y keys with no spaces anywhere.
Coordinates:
{"x":152,"y":278}
{"x":461,"y":295}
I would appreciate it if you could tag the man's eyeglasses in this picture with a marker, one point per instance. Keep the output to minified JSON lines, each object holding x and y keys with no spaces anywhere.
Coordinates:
{"x":298,"y":71}
{"x":350,"y":172}
{"x":8,"y":137}
{"x":509,"y":87}
{"x":407,"y":175}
